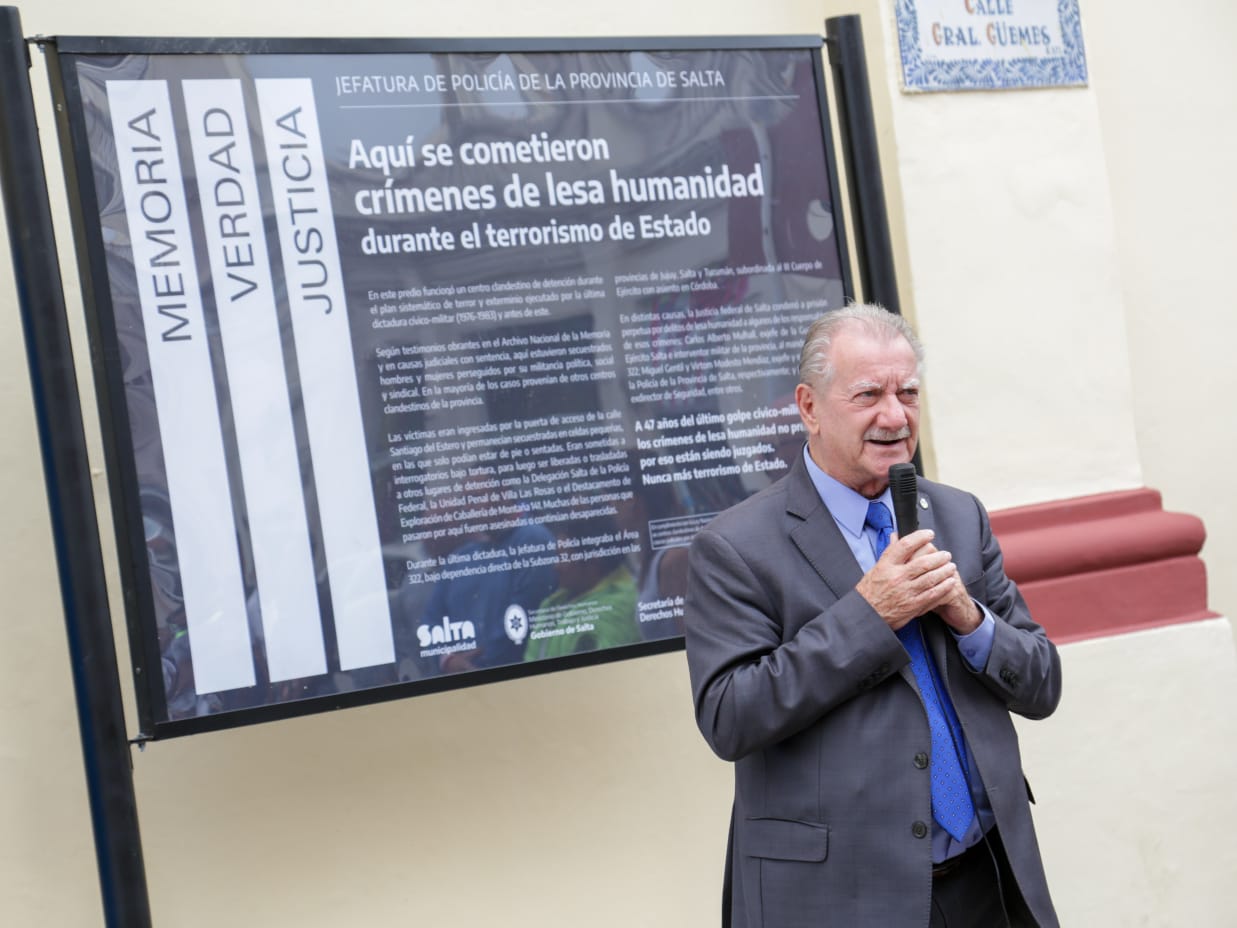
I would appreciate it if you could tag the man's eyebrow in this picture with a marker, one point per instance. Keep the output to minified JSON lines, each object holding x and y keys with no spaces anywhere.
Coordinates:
{"x":861,"y":385}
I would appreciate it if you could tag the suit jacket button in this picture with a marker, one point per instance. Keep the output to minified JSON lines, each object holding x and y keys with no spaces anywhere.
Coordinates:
{"x":919,"y":830}
{"x":921,"y":760}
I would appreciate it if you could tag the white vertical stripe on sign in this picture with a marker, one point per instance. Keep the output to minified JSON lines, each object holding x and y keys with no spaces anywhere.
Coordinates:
{"x":262,"y":412}
{"x":184,"y":385}
{"x":327,"y":371}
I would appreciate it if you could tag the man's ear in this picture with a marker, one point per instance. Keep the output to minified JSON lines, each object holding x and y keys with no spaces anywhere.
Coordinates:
{"x":805,"y":400}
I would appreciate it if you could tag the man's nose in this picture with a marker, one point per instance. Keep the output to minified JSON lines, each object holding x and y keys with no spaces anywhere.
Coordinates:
{"x":891,"y":412}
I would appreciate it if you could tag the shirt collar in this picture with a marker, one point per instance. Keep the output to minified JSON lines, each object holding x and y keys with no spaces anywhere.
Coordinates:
{"x":848,"y":508}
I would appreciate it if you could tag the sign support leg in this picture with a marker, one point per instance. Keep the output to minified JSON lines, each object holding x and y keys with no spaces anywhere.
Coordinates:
{"x":66,"y":468}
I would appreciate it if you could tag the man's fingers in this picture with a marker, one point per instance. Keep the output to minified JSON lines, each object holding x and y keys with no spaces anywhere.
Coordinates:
{"x":927,"y":566}
{"x":903,"y":549}
{"x":942,"y":586}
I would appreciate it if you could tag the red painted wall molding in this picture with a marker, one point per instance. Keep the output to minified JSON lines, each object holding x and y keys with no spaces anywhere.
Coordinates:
{"x":1105,"y":564}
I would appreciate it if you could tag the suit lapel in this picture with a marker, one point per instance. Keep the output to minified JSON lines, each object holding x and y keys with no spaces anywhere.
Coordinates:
{"x":935,"y":634}
{"x":926,"y":516}
{"x":933,"y":631}
{"x":816,"y":535}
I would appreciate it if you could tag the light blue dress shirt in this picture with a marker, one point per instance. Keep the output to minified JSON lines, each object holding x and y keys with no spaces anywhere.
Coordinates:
{"x":849,"y":510}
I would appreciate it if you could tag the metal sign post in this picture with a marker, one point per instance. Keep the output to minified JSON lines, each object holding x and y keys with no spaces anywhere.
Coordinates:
{"x":92,"y":652}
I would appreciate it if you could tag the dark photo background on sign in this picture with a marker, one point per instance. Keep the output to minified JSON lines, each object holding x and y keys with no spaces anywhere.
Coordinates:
{"x":575,"y":285}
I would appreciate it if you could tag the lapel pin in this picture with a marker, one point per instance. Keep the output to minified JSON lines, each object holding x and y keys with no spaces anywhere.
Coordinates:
{"x":923,"y":502}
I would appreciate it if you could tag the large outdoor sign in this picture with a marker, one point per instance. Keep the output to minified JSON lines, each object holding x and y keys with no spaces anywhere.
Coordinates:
{"x":421,"y":363}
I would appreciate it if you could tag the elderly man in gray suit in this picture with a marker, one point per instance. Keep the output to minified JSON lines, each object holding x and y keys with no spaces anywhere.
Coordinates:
{"x":863,"y":683}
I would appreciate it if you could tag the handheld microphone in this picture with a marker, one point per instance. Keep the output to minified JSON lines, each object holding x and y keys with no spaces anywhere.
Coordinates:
{"x":904,"y":488}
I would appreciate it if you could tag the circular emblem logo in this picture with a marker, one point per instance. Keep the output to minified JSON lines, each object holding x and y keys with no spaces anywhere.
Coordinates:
{"x":515,"y":623}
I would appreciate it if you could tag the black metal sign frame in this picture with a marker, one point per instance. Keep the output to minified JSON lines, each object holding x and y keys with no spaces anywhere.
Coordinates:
{"x":725,"y":429}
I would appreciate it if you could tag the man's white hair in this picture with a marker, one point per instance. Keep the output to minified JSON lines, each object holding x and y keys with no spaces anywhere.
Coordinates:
{"x":815,"y":367}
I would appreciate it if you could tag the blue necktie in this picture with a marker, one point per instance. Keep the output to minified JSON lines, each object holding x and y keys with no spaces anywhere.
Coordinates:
{"x":951,"y":798}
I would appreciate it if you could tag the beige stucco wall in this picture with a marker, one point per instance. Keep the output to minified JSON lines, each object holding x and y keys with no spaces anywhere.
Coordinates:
{"x":1165,"y":103}
{"x":1062,"y":252}
{"x":1137,"y":764}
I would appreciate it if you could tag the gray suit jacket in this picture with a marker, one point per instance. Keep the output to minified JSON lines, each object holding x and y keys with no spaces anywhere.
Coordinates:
{"x":797,"y":680}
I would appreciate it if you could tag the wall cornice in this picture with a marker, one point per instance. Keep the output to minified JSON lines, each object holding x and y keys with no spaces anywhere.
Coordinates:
{"x":1105,"y":564}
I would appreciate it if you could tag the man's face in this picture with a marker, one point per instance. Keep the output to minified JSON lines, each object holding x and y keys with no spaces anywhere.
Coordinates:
{"x":867,"y":417}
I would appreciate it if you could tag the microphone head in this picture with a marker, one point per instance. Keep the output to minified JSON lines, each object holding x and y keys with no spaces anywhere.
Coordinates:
{"x":902,"y":475}
{"x":904,"y":489}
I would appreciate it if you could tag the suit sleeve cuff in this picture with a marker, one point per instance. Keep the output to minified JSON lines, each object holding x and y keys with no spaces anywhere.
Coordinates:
{"x":976,"y":646}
